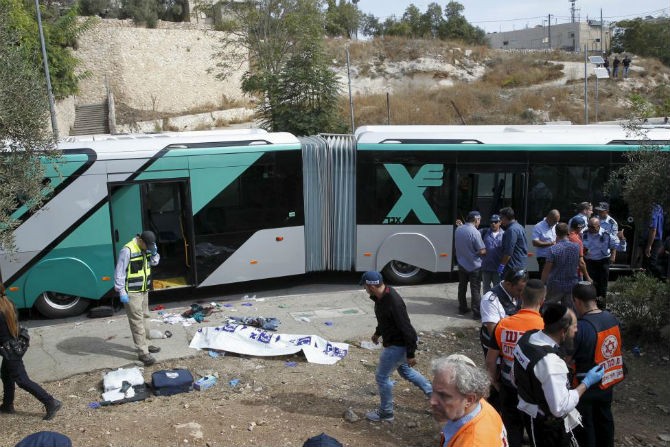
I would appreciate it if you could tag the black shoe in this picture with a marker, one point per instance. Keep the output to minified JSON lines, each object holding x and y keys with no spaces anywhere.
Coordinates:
{"x":462,"y":312}
{"x":147,"y":359}
{"x":154,"y":349}
{"x":7,"y":409}
{"x":476,"y":317}
{"x":52,"y":409}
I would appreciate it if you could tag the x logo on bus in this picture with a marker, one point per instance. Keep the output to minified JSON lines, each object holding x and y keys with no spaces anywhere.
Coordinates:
{"x":412,"y":189}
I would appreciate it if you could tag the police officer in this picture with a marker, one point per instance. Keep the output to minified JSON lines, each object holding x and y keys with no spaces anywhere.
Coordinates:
{"x":610,"y":225}
{"x":598,"y":342}
{"x":599,"y":253}
{"x":132,"y":280}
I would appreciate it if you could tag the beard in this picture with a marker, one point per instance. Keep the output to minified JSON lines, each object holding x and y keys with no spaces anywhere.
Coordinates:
{"x":568,"y":345}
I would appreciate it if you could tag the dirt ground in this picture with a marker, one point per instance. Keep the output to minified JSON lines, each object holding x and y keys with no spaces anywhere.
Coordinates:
{"x":277,"y":404}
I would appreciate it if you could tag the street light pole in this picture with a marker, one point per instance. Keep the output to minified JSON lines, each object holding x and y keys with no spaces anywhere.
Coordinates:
{"x":52,"y":107}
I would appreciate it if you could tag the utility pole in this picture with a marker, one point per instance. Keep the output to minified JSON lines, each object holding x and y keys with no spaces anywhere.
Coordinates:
{"x":549,"y":32}
{"x":52,"y":107}
{"x":601,"y":30}
{"x":586,"y":90}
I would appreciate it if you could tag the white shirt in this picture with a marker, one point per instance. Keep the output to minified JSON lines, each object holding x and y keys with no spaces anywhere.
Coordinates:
{"x":490,"y":308}
{"x":552,"y":372}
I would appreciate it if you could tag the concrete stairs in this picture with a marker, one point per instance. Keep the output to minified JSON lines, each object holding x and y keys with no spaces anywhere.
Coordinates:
{"x":91,"y":119}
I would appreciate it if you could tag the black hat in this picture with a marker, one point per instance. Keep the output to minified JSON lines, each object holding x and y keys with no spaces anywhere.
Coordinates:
{"x":553,"y":312}
{"x":602,"y":206}
{"x":322,"y":440}
{"x":148,"y":237}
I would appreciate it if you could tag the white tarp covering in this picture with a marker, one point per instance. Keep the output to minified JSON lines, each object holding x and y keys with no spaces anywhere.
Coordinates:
{"x":249,"y":340}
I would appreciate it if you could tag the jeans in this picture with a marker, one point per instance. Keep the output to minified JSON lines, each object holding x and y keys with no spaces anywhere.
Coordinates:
{"x":489,"y":280}
{"x":475,"y":280}
{"x":395,"y":357}
{"x":13,"y":373}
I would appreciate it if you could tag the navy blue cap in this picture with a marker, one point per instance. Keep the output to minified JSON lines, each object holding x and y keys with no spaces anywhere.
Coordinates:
{"x":495,"y":218}
{"x":322,"y":440}
{"x":578,"y":222}
{"x":45,"y":439}
{"x":473,"y":215}
{"x":371,"y":278}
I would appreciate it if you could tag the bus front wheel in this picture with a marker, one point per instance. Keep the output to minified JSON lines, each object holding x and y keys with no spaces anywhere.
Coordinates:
{"x":58,"y":305}
{"x":397,"y":272}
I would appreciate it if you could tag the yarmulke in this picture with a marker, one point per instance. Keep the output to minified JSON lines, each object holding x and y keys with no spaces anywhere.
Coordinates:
{"x":553,"y":312}
{"x":462,"y":358}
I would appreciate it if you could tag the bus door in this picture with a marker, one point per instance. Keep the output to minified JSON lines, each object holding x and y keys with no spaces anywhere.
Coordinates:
{"x":162,"y":207}
{"x":487,"y":190}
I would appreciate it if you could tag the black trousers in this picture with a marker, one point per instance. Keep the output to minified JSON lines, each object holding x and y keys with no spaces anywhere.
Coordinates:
{"x":475,"y":280}
{"x":13,"y":373}
{"x":599,"y":271}
{"x":595,"y":407}
{"x":540,"y":264}
{"x":548,"y":432}
{"x":651,"y":263}
{"x":512,"y":417}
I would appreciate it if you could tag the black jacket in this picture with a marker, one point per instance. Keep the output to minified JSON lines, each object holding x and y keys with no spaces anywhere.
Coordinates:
{"x":393,"y":323}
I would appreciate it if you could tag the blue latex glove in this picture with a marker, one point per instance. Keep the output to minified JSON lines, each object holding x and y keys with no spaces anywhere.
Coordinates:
{"x":501,"y":267}
{"x":594,"y":375}
{"x":124,"y":298}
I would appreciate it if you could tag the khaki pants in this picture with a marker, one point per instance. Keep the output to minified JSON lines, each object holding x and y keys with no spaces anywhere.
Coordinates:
{"x":137,"y":310}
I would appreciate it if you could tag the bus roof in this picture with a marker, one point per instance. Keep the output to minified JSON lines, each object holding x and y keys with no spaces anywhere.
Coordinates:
{"x":508,"y":134}
{"x":142,"y":144}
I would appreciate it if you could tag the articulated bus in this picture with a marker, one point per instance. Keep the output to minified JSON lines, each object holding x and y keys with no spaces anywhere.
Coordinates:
{"x":243,"y":205}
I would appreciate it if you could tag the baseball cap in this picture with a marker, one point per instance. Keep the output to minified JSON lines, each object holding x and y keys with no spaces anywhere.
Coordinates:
{"x":322,"y":440}
{"x":577,"y":222}
{"x":602,"y":206}
{"x":495,"y":218}
{"x":148,"y":237}
{"x":371,"y":278}
{"x":473,"y":215}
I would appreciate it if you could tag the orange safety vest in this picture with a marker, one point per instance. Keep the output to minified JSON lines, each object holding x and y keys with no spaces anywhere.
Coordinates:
{"x":484,"y":430}
{"x":507,"y":333}
{"x":607,"y":350}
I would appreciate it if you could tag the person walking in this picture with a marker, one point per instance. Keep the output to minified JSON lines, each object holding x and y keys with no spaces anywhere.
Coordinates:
{"x":615,"y":67}
{"x":599,"y":253}
{"x":515,"y":249}
{"x":598,"y":342}
{"x":13,"y":371}
{"x":399,"y":340}
{"x":469,"y":251}
{"x":560,"y":271}
{"x":626,"y":65}
{"x":541,"y":378}
{"x":544,"y":236}
{"x":458,"y":401}
{"x":492,"y":237}
{"x":132,"y":280}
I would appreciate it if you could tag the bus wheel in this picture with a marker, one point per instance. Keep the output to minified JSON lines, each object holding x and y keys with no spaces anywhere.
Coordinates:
{"x":397,"y":272}
{"x":58,"y":305}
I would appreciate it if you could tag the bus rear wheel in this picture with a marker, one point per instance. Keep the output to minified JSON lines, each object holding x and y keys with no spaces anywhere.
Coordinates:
{"x":58,"y":305}
{"x":397,"y":272}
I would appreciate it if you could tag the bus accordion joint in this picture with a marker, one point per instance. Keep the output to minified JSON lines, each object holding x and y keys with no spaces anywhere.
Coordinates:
{"x":253,"y":262}
{"x":279,"y":238}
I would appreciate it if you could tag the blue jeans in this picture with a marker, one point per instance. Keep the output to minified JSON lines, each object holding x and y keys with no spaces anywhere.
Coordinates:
{"x":395,"y":357}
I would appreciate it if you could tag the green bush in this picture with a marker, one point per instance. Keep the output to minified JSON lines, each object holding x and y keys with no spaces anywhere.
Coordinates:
{"x":641,"y":303}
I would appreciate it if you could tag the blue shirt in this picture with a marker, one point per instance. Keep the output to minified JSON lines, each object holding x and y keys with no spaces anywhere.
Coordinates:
{"x":656,"y":221}
{"x":493,"y":244}
{"x":598,"y":246}
{"x":452,"y":427}
{"x":544,"y":233}
{"x":514,"y":245}
{"x":468,"y":241}
{"x":564,"y":257}
{"x":610,"y":226}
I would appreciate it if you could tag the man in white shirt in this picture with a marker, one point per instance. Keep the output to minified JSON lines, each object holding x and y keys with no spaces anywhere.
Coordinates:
{"x":541,"y":378}
{"x":544,"y":236}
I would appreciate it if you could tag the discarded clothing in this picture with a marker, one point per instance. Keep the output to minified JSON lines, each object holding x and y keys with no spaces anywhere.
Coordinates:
{"x":269,"y":324}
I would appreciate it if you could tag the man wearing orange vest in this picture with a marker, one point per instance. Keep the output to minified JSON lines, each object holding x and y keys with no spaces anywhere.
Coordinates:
{"x":505,"y":336}
{"x":459,"y":401}
{"x":598,"y":342}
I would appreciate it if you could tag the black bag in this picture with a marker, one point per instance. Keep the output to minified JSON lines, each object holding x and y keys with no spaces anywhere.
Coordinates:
{"x":15,"y":348}
{"x":169,"y":382}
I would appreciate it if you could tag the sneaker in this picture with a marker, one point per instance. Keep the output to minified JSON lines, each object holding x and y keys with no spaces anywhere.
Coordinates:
{"x":7,"y":409}
{"x":52,"y":409}
{"x":154,"y":349}
{"x":147,"y":359}
{"x":378,"y":416}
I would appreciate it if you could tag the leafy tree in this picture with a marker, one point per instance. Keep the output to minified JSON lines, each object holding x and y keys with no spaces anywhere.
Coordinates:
{"x":283,"y":41}
{"x":457,"y":27}
{"x":433,"y":20}
{"x":370,"y":25}
{"x":643,"y":37}
{"x":60,"y":31}
{"x":24,"y":133}
{"x":342,"y":19}
{"x":412,"y":18}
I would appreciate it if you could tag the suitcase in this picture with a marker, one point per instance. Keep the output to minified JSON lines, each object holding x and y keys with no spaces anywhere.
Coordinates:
{"x":169,"y":382}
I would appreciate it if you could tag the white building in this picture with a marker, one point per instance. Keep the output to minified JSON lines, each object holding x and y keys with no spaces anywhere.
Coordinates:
{"x":567,"y":36}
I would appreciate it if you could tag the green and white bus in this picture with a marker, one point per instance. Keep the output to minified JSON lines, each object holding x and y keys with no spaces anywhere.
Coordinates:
{"x":244,"y":205}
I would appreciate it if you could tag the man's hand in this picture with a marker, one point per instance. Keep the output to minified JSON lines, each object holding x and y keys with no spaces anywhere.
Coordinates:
{"x":124,"y":298}
{"x":594,"y":375}
{"x":153,"y":249}
{"x":375,"y":339}
{"x":647,"y":252}
{"x":411,"y":362}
